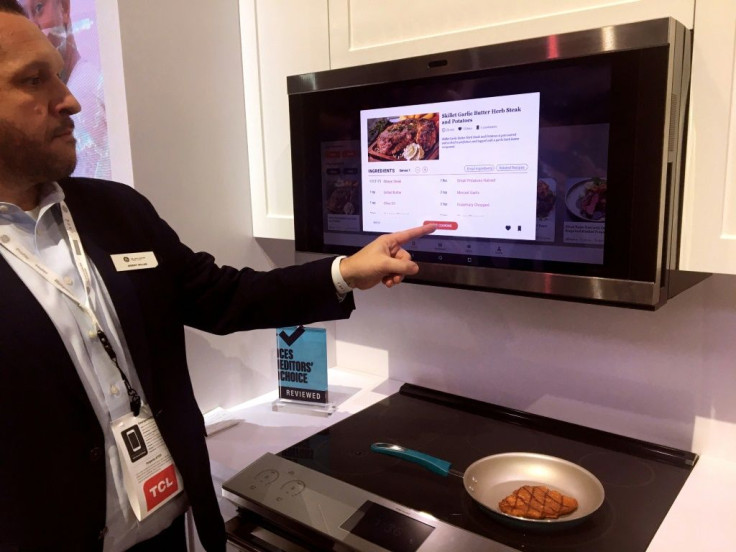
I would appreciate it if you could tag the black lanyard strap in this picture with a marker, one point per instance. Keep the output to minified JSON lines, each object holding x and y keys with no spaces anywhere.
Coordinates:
{"x":135,"y":398}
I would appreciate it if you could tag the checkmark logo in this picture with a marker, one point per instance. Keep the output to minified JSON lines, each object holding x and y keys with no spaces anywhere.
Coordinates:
{"x":290,"y":339}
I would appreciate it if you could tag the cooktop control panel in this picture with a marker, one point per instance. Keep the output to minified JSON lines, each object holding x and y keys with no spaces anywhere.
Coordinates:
{"x":356,"y":518}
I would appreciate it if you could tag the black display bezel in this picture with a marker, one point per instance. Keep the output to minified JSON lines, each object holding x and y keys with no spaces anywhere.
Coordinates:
{"x":637,"y":265}
{"x":635,"y":112}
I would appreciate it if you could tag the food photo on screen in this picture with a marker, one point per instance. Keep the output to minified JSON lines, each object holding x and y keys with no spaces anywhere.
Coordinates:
{"x":545,"y":197}
{"x":586,"y":199}
{"x":343,"y":197}
{"x":404,"y":138}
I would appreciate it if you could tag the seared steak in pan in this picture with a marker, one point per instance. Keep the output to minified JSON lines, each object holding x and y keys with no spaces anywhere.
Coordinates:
{"x":537,"y":502}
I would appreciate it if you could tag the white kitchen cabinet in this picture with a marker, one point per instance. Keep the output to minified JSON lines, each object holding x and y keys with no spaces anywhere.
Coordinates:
{"x":709,"y":208}
{"x":379,"y":30}
{"x":279,"y":38}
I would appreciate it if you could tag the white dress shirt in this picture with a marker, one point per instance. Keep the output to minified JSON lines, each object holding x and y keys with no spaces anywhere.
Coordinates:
{"x":42,"y":232}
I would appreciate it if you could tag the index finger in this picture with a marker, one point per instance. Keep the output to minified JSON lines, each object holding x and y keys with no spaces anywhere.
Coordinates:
{"x":404,"y":236}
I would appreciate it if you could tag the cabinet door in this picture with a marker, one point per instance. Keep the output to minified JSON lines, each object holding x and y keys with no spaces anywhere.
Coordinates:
{"x":279,"y":38}
{"x":379,"y":30}
{"x":709,"y":208}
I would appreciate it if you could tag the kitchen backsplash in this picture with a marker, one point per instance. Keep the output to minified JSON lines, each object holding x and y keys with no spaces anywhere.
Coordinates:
{"x":649,"y":375}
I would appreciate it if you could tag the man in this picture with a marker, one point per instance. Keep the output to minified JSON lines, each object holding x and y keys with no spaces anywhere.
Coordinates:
{"x":83,"y":77}
{"x":88,"y":340}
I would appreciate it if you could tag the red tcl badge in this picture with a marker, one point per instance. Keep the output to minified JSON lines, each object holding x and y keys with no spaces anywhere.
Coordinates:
{"x":160,"y":487}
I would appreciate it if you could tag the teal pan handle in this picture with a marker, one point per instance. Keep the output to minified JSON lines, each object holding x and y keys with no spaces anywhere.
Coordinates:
{"x":435,"y":465}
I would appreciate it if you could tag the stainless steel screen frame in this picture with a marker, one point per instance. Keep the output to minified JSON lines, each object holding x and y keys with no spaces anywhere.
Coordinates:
{"x":658,"y":32}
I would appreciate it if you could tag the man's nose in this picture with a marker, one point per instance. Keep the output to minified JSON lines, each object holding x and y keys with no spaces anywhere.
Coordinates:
{"x":68,"y":103}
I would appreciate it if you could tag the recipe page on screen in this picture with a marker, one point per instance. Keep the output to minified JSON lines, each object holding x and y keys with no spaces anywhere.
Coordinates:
{"x":469,"y":166}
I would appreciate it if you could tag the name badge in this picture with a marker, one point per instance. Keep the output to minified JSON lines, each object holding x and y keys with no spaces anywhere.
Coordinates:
{"x":149,"y":474}
{"x":134,"y":261}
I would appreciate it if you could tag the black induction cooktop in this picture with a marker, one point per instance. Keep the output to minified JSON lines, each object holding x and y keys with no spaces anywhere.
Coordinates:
{"x":641,"y":479}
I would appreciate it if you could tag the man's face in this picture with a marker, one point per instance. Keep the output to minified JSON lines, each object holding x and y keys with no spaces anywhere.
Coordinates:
{"x":36,"y":140}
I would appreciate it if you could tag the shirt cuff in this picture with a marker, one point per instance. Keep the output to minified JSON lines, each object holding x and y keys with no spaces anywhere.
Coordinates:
{"x":341,"y":286}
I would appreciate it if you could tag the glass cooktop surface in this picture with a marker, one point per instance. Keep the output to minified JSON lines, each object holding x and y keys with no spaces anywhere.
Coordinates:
{"x":641,"y":480}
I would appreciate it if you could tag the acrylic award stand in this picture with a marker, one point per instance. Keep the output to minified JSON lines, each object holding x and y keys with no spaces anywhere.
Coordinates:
{"x":303,"y":407}
{"x":301,"y":363}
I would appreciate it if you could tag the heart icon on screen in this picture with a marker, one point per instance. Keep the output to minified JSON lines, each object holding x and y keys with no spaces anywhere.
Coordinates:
{"x":508,"y":227}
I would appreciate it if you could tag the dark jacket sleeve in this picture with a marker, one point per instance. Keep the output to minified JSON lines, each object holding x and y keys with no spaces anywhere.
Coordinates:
{"x":222,"y":299}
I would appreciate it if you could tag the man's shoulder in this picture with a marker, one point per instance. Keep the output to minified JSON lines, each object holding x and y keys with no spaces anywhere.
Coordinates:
{"x":104,"y":199}
{"x":97,"y":189}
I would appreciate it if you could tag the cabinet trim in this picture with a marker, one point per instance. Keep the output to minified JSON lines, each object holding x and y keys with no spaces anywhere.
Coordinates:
{"x":265,"y":223}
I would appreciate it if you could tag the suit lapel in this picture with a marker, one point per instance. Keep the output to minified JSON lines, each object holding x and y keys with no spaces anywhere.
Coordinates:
{"x":97,"y":237}
{"x":19,"y":304}
{"x":128,"y":309}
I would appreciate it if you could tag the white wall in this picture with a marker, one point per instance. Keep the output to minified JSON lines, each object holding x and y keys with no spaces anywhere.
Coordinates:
{"x":666,"y":376}
{"x":651,"y":375}
{"x":183,"y":81}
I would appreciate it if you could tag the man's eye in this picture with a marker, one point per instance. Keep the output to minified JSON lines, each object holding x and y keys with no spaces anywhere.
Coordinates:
{"x":37,"y":8}
{"x":34,"y":81}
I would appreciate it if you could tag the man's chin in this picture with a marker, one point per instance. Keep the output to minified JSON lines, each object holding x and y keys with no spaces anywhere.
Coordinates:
{"x":64,"y":161}
{"x":61,"y":169}
{"x":69,"y":169}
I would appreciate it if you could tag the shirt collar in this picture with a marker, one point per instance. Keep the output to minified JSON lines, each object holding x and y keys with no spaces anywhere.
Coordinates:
{"x":49,"y":195}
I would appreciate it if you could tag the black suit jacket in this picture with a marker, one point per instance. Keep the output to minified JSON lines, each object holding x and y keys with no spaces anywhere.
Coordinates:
{"x":52,"y":460}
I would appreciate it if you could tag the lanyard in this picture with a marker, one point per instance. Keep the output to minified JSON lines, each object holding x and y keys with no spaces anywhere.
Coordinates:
{"x":80,"y":260}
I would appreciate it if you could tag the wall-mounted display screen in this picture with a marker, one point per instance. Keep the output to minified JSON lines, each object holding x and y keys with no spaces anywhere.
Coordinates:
{"x":511,"y":161}
{"x":511,"y":164}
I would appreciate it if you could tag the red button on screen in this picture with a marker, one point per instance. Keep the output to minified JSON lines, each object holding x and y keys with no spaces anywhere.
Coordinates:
{"x":443,"y":224}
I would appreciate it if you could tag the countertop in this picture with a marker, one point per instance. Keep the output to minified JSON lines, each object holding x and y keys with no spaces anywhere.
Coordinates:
{"x":700,"y":518}
{"x":263,"y":430}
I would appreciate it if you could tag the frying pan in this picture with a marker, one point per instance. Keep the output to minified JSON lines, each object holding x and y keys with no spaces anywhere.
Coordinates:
{"x":491,"y":479}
